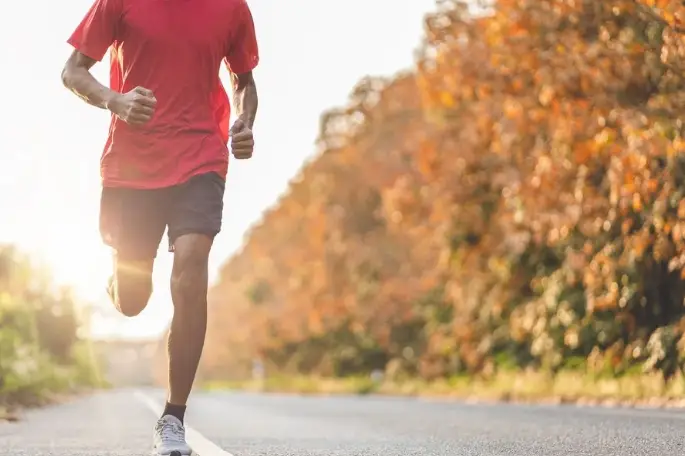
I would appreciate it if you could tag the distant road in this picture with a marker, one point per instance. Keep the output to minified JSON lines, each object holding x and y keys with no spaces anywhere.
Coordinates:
{"x":118,"y":423}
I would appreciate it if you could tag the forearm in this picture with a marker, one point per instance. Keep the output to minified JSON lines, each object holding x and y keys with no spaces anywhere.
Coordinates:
{"x":80,"y":81}
{"x":245,"y":99}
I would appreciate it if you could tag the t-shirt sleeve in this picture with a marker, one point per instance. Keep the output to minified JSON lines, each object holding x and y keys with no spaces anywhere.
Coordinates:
{"x":243,"y":54}
{"x":97,"y":30}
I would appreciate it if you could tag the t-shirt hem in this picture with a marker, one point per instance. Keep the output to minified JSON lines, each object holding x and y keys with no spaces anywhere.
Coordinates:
{"x":148,"y":184}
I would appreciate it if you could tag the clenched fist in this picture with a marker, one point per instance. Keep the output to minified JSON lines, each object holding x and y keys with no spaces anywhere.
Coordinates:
{"x":242,"y":142}
{"x":135,"y":107}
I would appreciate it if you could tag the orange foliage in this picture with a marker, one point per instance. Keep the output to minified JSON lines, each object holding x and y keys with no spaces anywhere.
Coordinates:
{"x":516,"y":200}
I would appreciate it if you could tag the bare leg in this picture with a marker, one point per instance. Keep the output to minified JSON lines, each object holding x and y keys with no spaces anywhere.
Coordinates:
{"x":189,"y":281}
{"x":131,"y":285}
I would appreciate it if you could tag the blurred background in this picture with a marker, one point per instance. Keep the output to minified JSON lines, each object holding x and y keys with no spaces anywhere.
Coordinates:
{"x":448,"y":197}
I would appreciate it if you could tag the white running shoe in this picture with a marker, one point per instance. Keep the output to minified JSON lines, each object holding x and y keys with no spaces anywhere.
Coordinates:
{"x":170,"y":437}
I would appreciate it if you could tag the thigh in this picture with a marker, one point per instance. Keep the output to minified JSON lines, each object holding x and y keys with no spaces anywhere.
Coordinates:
{"x":132,"y":222}
{"x":196,"y":207}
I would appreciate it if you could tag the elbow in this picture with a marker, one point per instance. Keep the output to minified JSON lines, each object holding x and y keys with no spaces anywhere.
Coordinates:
{"x":65,"y":76}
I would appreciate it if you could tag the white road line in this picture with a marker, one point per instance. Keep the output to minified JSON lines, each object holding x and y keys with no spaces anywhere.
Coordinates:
{"x":200,"y":444}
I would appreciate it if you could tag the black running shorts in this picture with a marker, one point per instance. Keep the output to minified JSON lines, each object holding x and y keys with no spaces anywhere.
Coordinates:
{"x":133,"y":221}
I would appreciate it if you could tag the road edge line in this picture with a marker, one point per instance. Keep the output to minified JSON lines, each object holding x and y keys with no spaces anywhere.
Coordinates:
{"x":201,"y":445}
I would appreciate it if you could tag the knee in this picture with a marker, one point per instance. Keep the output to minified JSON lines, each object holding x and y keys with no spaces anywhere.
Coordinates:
{"x":189,"y":275}
{"x":132,"y":285}
{"x":132,"y":296}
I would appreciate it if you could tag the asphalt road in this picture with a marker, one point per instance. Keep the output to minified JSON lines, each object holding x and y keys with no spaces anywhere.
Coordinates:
{"x":120,"y":423}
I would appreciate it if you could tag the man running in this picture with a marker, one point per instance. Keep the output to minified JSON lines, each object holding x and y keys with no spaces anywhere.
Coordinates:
{"x":165,"y":159}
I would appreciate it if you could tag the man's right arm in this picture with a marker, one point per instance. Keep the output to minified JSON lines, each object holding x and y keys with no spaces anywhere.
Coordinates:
{"x":91,"y":39}
{"x":94,"y":35}
{"x":76,"y":76}
{"x":135,"y":107}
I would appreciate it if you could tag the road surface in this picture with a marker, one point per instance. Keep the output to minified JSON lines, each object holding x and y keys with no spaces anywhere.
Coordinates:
{"x":119,"y":422}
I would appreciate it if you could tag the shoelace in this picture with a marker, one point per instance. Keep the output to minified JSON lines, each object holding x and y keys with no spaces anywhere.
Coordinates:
{"x":171,"y":432}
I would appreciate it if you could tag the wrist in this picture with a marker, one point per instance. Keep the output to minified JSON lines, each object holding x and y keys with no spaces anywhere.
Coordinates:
{"x":110,"y":100}
{"x":246,"y":120}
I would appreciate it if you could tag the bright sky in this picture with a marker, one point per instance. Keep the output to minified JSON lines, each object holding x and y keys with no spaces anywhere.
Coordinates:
{"x":312,"y":54}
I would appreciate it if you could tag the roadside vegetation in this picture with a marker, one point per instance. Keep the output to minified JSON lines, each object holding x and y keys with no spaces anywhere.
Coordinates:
{"x":508,"y":218}
{"x":41,"y":351}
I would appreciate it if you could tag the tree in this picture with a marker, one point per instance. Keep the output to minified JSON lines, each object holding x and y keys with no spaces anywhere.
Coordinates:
{"x":515,"y":201}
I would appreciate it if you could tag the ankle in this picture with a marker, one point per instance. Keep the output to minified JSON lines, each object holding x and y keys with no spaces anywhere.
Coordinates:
{"x":177,"y":411}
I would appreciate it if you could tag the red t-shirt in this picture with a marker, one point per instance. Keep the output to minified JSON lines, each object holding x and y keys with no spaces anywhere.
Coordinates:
{"x":174,"y":48}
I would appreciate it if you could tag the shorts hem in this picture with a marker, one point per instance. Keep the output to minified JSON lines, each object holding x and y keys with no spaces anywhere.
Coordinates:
{"x":178,"y":233}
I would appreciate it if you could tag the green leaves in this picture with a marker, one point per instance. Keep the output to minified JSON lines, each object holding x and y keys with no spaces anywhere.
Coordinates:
{"x":37,"y":332}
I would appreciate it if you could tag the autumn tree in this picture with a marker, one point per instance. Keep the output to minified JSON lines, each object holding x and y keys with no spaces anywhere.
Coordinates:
{"x":515,"y":201}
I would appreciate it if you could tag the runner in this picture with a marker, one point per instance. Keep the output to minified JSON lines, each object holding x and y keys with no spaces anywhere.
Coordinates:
{"x":165,"y":159}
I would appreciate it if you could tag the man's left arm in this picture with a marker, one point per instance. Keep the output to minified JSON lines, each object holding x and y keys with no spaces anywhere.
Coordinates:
{"x":245,"y":98}
{"x":242,"y":58}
